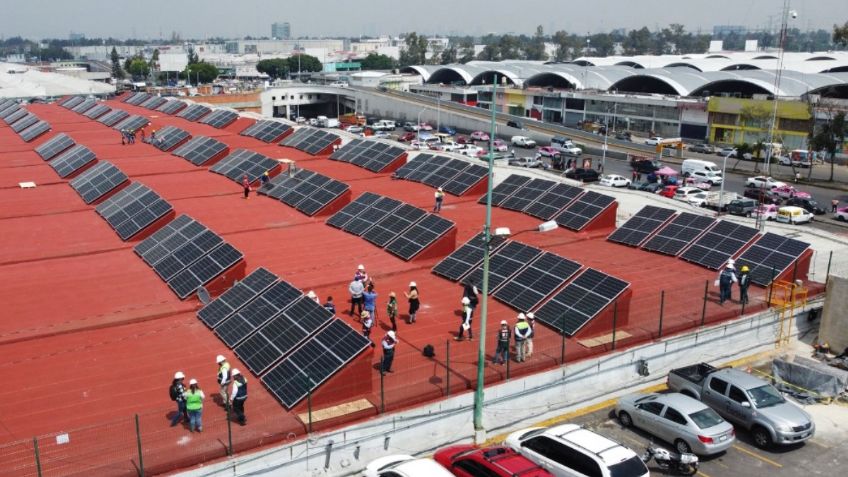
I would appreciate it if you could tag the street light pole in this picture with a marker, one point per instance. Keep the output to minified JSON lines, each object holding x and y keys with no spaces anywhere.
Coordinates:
{"x":723,"y":175}
{"x":784,"y":25}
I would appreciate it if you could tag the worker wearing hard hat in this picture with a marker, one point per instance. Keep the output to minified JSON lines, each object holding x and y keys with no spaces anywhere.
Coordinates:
{"x":223,"y":377}
{"x":388,"y":344}
{"x":465,"y":323}
{"x":522,"y":332}
{"x":744,"y":282}
{"x":440,"y":198}
{"x":502,"y":352}
{"x":194,"y":404}
{"x":239,"y":395}
{"x":177,"y":393}
{"x":726,"y":279}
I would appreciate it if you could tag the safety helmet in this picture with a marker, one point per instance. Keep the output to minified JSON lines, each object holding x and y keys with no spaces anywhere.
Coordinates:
{"x":220,"y":359}
{"x":179,"y":375}
{"x":392,"y":294}
{"x":311,"y":294}
{"x":391,"y":334}
{"x":465,"y":300}
{"x":441,"y":190}
{"x":193,"y":381}
{"x":531,"y":316}
{"x":361,"y":267}
{"x":731,"y":262}
{"x":503,"y":322}
{"x":412,"y":284}
{"x":235,"y":372}
{"x":522,"y":316}
{"x":745,"y":268}
{"x":364,"y":314}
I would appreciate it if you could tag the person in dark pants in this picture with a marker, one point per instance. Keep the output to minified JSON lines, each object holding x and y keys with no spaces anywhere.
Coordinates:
{"x":465,"y":324}
{"x":834,"y":205}
{"x":356,"y":289}
{"x":502,"y":353}
{"x":726,"y":279}
{"x":123,"y":137}
{"x":367,"y":324}
{"x":414,"y":301}
{"x":177,"y":393}
{"x":330,"y":306}
{"x":744,"y":282}
{"x":389,"y":342}
{"x":440,"y":197}
{"x":245,"y":183}
{"x":470,"y":291}
{"x":239,"y":395}
{"x":265,"y":178}
{"x":392,"y":310}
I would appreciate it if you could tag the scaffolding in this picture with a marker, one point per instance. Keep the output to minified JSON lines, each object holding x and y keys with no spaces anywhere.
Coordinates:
{"x":786,"y":297}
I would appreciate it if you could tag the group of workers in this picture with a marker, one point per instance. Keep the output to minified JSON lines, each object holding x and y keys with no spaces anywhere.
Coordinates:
{"x":232,"y":387}
{"x":728,"y":276}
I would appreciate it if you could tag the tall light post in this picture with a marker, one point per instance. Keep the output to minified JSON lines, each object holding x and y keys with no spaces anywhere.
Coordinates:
{"x":785,"y":14}
{"x":723,"y":175}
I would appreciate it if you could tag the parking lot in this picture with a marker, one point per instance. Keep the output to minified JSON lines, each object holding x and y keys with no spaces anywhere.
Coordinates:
{"x":822,"y":455}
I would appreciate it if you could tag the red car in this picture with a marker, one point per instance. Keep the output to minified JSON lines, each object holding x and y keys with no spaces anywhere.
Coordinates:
{"x":471,"y":461}
{"x":463,"y":140}
{"x":668,"y":191}
{"x":406,"y":137}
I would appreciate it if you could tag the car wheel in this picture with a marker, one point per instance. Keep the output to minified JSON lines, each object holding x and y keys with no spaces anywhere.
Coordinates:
{"x":682,"y":447}
{"x":840,"y":218}
{"x":762,"y":437}
{"x":625,"y":419}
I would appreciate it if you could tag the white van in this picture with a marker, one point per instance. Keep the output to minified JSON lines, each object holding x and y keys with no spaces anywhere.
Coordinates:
{"x":692,"y":165}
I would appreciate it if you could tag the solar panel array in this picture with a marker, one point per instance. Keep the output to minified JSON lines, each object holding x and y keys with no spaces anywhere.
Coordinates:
{"x":770,"y":256}
{"x":254,"y":315}
{"x":266,"y":130}
{"x":306,"y":191}
{"x":171,"y":107}
{"x":400,"y":228}
{"x":369,"y":154}
{"x":71,"y":102}
{"x":243,"y":162}
{"x":113,"y":117}
{"x":466,"y":257}
{"x":97,"y":111}
{"x":220,"y":118}
{"x":58,"y":143}
{"x":9,"y":107}
{"x":200,"y":150}
{"x":186,"y":254}
{"x":98,"y":181}
{"x":718,"y":244}
{"x":24,"y":122}
{"x":84,"y":106}
{"x":168,"y":137}
{"x":194,"y":112}
{"x":678,"y":234}
{"x":310,"y":140}
{"x":314,"y":362}
{"x":5,"y":103}
{"x":511,"y":258}
{"x":153,"y":102}
{"x":240,"y":294}
{"x":129,"y":96}
{"x":547,"y":205}
{"x":583,"y":210}
{"x":541,"y":278}
{"x":132,"y":209}
{"x":72,"y":160}
{"x":580,"y":301}
{"x":137,"y":98}
{"x":15,"y":114}
{"x":132,"y":123}
{"x":523,"y":197}
{"x":9,"y":111}
{"x":502,"y":191}
{"x":453,"y":175}
{"x":641,"y":226}
{"x":35,"y":130}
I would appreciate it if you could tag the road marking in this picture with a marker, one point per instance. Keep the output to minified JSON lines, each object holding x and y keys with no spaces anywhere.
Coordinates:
{"x":702,"y":474}
{"x":811,"y":441}
{"x":758,"y":456}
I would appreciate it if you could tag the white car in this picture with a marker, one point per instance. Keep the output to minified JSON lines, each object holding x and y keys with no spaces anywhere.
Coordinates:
{"x":707,"y":177}
{"x":354,"y":129}
{"x":613,"y":180}
{"x":784,"y":161}
{"x":471,"y":150}
{"x":653,"y":141}
{"x":405,"y":466}
{"x":841,"y":214}
{"x":569,"y":450}
{"x":793,"y":215}
{"x":382,"y":135}
{"x":523,"y":141}
{"x":763,"y":182}
{"x":698,"y":200}
{"x":451,"y":147}
{"x":684,"y":193}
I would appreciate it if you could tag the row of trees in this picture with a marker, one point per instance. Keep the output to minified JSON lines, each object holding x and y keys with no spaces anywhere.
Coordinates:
{"x":139,"y":68}
{"x":284,"y":67}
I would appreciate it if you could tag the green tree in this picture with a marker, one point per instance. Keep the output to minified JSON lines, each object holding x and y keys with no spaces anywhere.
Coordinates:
{"x":829,"y":137}
{"x":638,"y":42}
{"x":193,"y":58}
{"x":376,"y":61}
{"x":154,"y":58}
{"x":509,"y":47}
{"x":840,"y":35}
{"x":535,"y":49}
{"x":305,"y":63}
{"x":602,"y":44}
{"x":275,"y":68}
{"x":138,"y":68}
{"x":466,"y":50}
{"x":563,"y":43}
{"x":415,"y":50}
{"x":201,"y":72}
{"x":53,"y":52}
{"x":449,"y":55}
{"x":117,"y":71}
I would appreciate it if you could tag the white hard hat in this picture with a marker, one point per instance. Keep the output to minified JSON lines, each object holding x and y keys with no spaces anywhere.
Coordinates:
{"x":220,"y":358}
{"x":412,"y":284}
{"x":440,"y":189}
{"x":531,"y":316}
{"x":391,"y":334}
{"x":311,"y":294}
{"x":235,"y":372}
{"x":465,"y":300}
{"x":503,"y":322}
{"x":193,"y":381}
{"x":521,"y":316}
{"x":361,"y":267}
{"x":731,"y":262}
{"x":179,"y":375}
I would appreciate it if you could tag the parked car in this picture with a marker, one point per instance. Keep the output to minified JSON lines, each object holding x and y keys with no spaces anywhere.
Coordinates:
{"x":653,"y":141}
{"x":763,"y":182}
{"x":788,"y":192}
{"x":479,"y":136}
{"x":547,"y":151}
{"x":698,"y":200}
{"x":653,"y":187}
{"x":523,"y":141}
{"x":638,"y":185}
{"x":471,"y":150}
{"x":447,"y":130}
{"x":354,"y":129}
{"x":463,"y":140}
{"x":760,"y":196}
{"x":807,"y":203}
{"x":467,"y":460}
{"x":565,"y":146}
{"x":744,"y":207}
{"x":411,"y":127}
{"x":405,"y":466}
{"x":419,"y":145}
{"x":570,"y":450}
{"x":702,"y":148}
{"x":531,"y":162}
{"x":683,"y":193}
{"x":727,"y":151}
{"x":709,"y":177}
{"x":451,"y":147}
{"x":784,"y":161}
{"x":584,"y":175}
{"x":623,"y":136}
{"x":767,"y":211}
{"x":841,"y":214}
{"x":644,"y":165}
{"x":515,"y":124}
{"x":669,"y":191}
{"x":692,"y":182}
{"x":793,"y":215}
{"x":500,"y":145}
{"x":688,"y":424}
{"x":407,"y":137}
{"x":313,"y":121}
{"x":425,"y":127}
{"x":613,"y":180}
{"x":382,"y":135}
{"x":746,"y":401}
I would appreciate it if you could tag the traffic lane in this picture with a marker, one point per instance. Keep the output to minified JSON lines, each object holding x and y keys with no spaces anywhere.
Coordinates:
{"x":814,"y":458}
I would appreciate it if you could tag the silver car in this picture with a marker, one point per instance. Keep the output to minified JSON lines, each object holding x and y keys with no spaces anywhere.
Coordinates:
{"x":687,"y":423}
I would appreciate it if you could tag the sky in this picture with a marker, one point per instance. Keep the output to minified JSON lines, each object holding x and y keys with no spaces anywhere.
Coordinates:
{"x":239,"y":18}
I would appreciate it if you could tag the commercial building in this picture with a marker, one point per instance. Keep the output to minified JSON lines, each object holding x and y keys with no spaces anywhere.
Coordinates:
{"x":281,"y":31}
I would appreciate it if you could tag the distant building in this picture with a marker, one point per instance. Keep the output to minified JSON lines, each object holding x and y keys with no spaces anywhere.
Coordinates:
{"x":722,"y":30}
{"x":281,"y":31}
{"x":76,"y":36}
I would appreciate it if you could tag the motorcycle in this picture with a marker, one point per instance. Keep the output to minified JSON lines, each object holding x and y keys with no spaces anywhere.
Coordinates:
{"x":685,"y":464}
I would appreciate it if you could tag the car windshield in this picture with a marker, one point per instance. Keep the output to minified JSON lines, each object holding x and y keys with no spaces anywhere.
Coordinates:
{"x":631,"y":467}
{"x":765,"y":396}
{"x":706,"y":418}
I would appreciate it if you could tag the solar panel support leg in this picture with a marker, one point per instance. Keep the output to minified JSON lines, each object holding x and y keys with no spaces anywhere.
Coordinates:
{"x":771,"y":284}
{"x":309,"y":409}
{"x":662,"y":309}
{"x":447,"y":367}
{"x":614,"y":322}
{"x":138,"y":441}
{"x":795,"y":271}
{"x":704,"y":309}
{"x":37,"y":456}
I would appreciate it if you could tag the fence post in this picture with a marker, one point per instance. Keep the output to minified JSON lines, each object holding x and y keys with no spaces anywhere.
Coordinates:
{"x":382,"y":387}
{"x":229,"y":431}
{"x":614,"y":319}
{"x":662,"y":309}
{"x":771,"y":284}
{"x":447,"y":362}
{"x":704,"y":309}
{"x":562,"y":348}
{"x":37,"y":456}
{"x":138,"y":440}
{"x":827,"y":276}
{"x":309,"y":406}
{"x":508,"y":360}
{"x":795,"y":272}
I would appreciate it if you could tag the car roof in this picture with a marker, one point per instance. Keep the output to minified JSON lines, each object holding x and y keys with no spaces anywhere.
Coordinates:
{"x":740,"y":378}
{"x":792,"y":208}
{"x":680,"y":402}
{"x":610,"y":452}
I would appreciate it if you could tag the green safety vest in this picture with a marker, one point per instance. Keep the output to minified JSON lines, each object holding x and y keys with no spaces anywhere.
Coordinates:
{"x":194,"y":401}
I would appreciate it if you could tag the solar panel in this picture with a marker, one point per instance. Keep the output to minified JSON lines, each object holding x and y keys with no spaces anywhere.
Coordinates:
{"x":97,"y":111}
{"x":84,"y":106}
{"x":72,"y":160}
{"x":310,"y":140}
{"x":580,"y":301}
{"x":392,"y":225}
{"x":432,"y":163}
{"x":184,"y":255}
{"x":348,"y":212}
{"x":466,"y":179}
{"x":240,"y":294}
{"x":446,"y":173}
{"x":266,"y":130}
{"x":200,"y":150}
{"x":98,"y":181}
{"x":349,"y":150}
{"x":243,"y":162}
{"x":307,"y":191}
{"x":153,"y":102}
{"x":113,"y":117}
{"x":678,"y":233}
{"x":35,"y":130}
{"x":301,"y":181}
{"x":548,"y":205}
{"x":165,"y":241}
{"x":168,"y":137}
{"x":319,"y":199}
{"x":24,"y":123}
{"x":502,"y":191}
{"x":204,"y":270}
{"x":533,"y":284}
{"x":511,"y":258}
{"x":255,"y":314}
{"x":137,"y":98}
{"x":132,"y":209}
{"x":720,"y":243}
{"x":411,"y":166}
{"x":132,"y":123}
{"x":220,"y":118}
{"x":171,"y":107}
{"x":58,"y":143}
{"x":15,"y":115}
{"x":414,"y":240}
{"x":194,"y":112}
{"x":128,"y":96}
{"x":523,"y":197}
{"x":5,"y":103}
{"x":369,"y":154}
{"x":373,"y":214}
{"x":143,"y":248}
{"x":72,"y":101}
{"x":641,"y":226}
{"x":583,"y":210}
{"x":314,"y":362}
{"x":770,"y":256}
{"x":466,"y":257}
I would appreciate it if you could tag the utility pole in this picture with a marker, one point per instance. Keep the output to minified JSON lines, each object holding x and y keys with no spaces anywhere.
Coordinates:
{"x":782,"y":43}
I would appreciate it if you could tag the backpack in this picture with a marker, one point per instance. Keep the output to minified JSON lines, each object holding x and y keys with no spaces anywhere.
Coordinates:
{"x":172,"y":391}
{"x":429,"y":351}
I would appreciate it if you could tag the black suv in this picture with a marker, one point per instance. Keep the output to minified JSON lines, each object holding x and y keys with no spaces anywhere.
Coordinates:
{"x":761,"y":196}
{"x":744,"y":207}
{"x":810,"y":205}
{"x":585,"y":175}
{"x":515,"y":124}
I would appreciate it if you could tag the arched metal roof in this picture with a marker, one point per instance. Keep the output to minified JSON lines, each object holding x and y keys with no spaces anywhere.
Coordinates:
{"x":424,"y":70}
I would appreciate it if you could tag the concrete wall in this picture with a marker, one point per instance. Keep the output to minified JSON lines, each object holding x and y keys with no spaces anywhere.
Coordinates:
{"x":834,"y":325}
{"x":509,"y":406}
